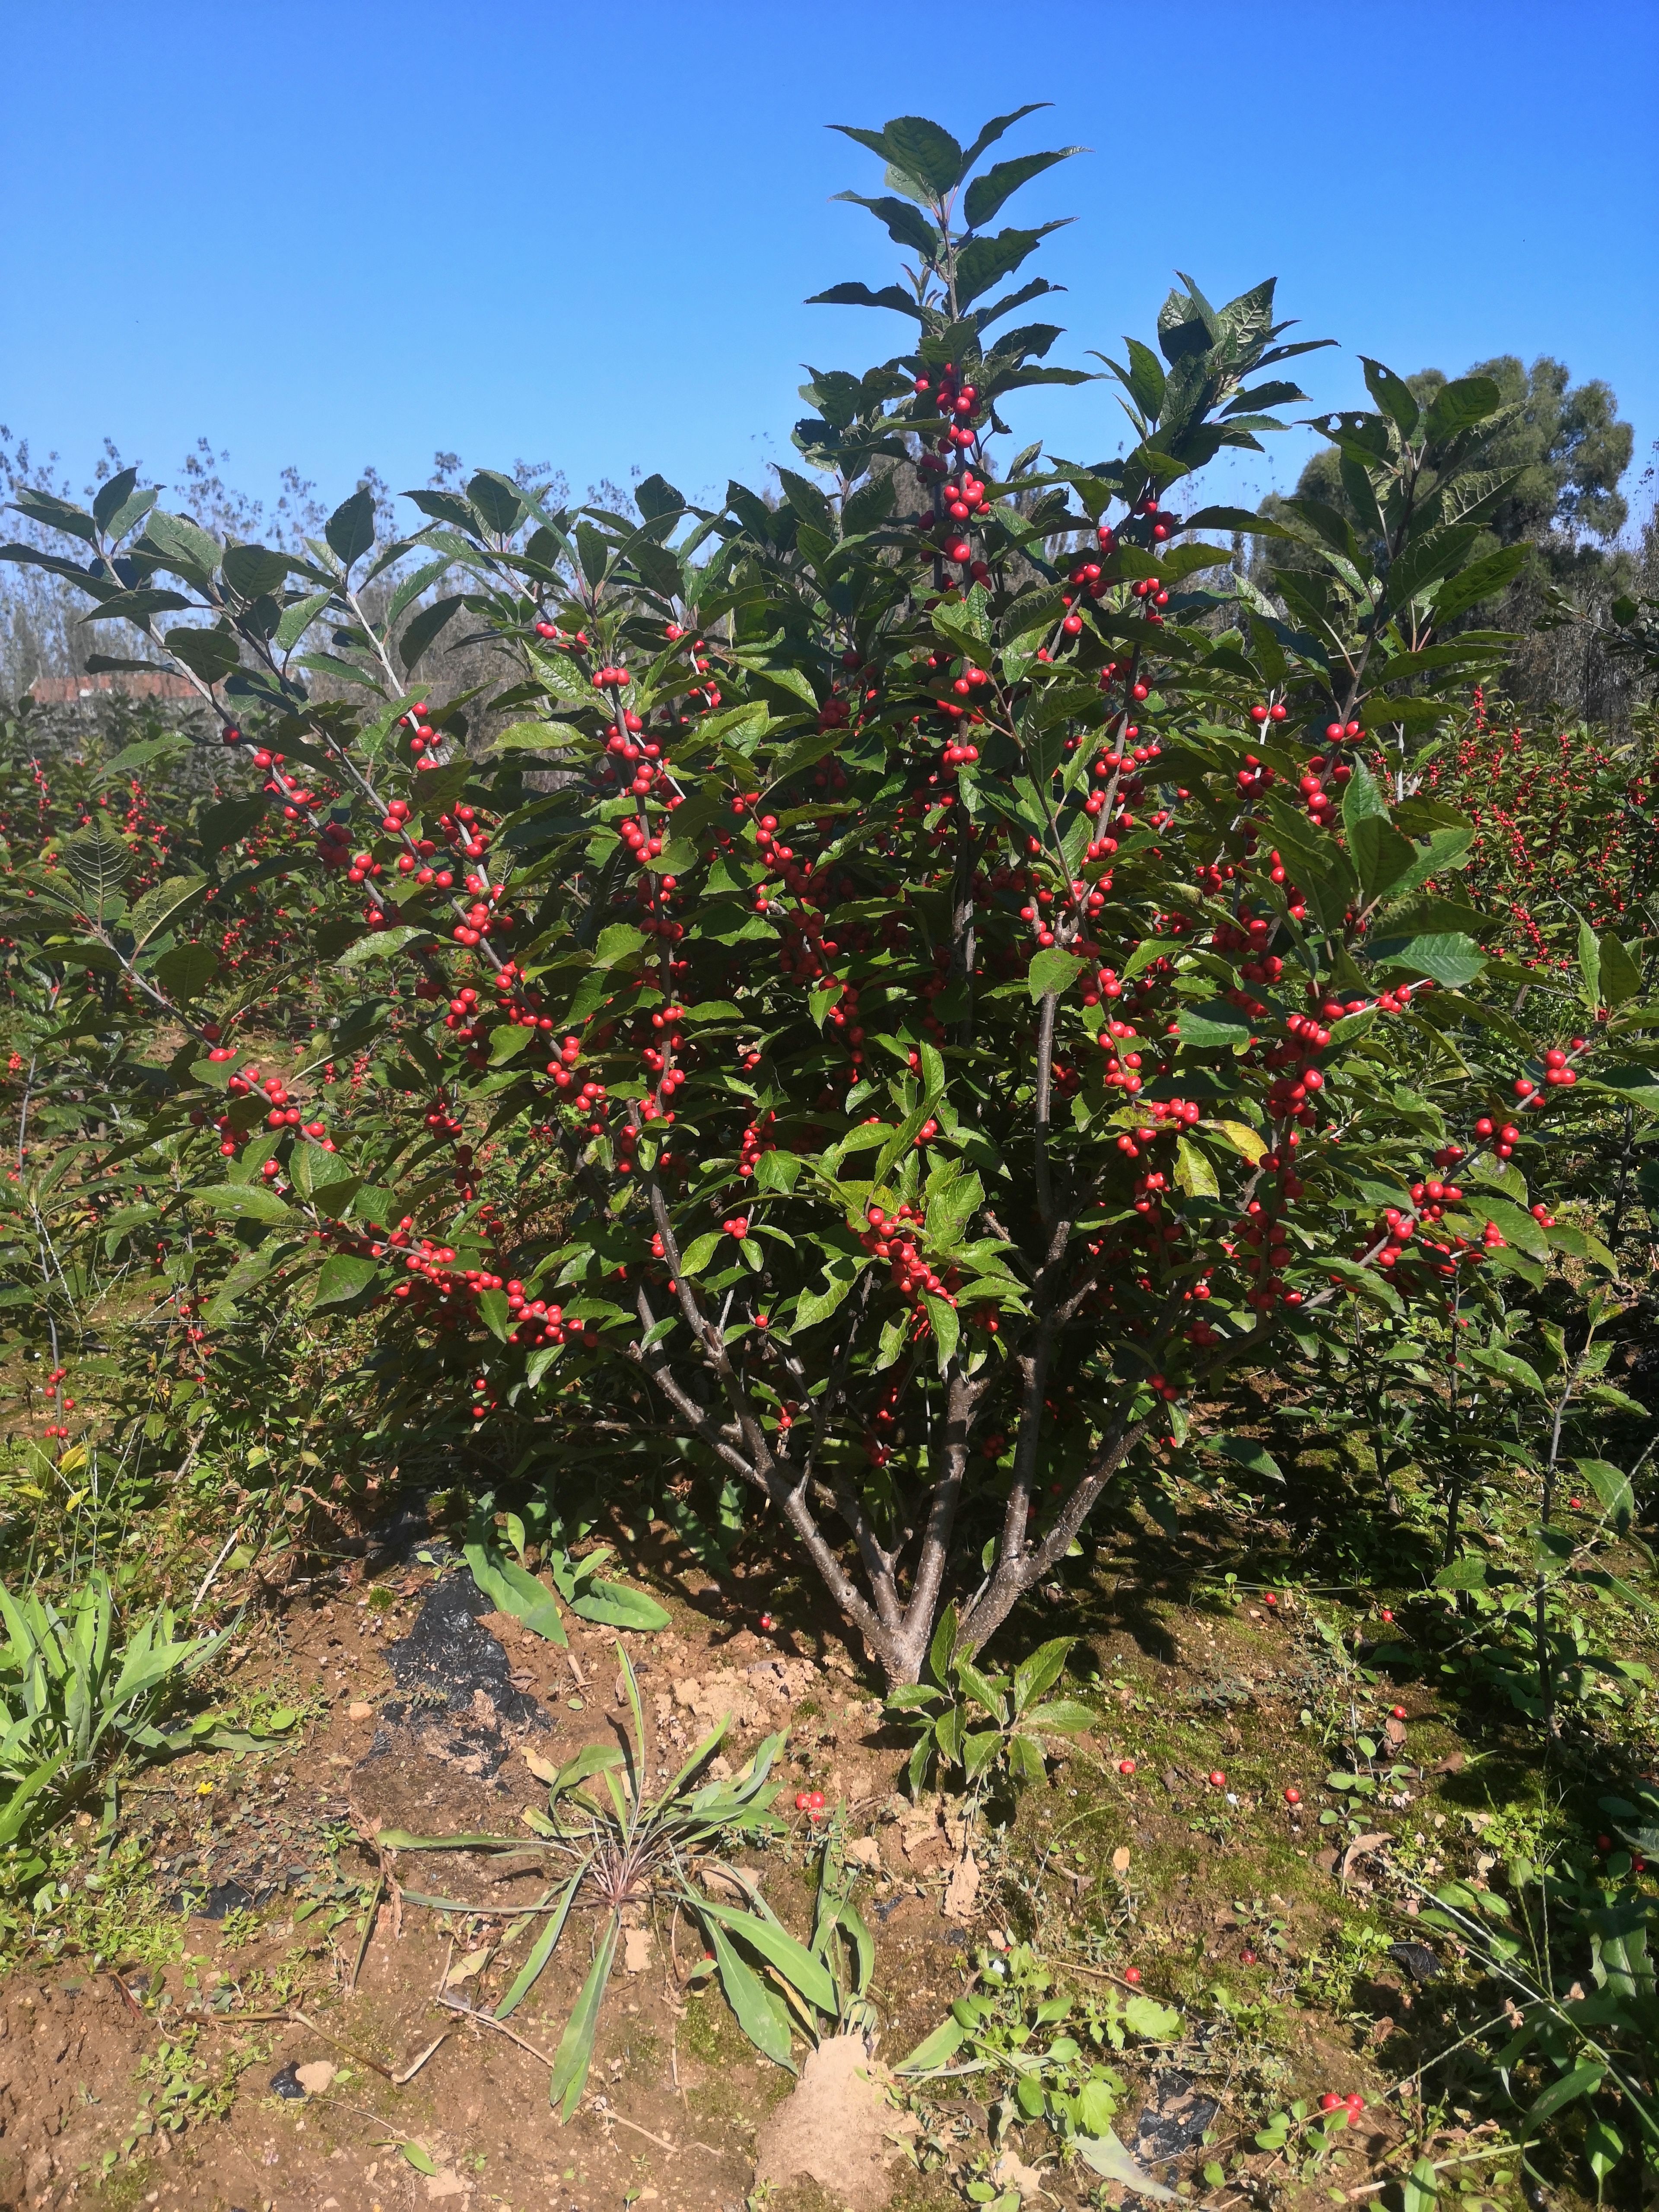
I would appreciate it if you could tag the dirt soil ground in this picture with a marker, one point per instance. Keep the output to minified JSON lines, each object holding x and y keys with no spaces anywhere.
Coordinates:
{"x":300,"y":2034}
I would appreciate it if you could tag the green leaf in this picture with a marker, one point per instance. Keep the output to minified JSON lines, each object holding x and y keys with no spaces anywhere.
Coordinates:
{"x":1249,"y":1143}
{"x":1451,"y":958}
{"x":423,"y":628}
{"x":498,"y":500}
{"x":13,"y":1812}
{"x":1215,"y":1023}
{"x":779,"y":1948}
{"x":1583,"y":2080}
{"x":925,"y":151}
{"x":182,"y":545}
{"x":512,"y":1589}
{"x":298,"y":618}
{"x":160,"y":903}
{"x":937,"y":2049}
{"x":987,"y":192}
{"x":592,"y":1758}
{"x":762,"y":2022}
{"x":1194,"y":1171}
{"x":532,"y":737}
{"x":1509,"y":1365}
{"x":98,"y":860}
{"x":1468,"y":1573}
{"x":255,"y":571}
{"x":575,"y":2050}
{"x":417,"y":2156}
{"x":1113,"y":2162}
{"x":1382,"y":857}
{"x":1482,"y":580}
{"x":1052,"y":970}
{"x":1034,"y":1676}
{"x":1145,"y":2016}
{"x":530,"y":1973}
{"x":1621,"y":974}
{"x":1362,"y":800}
{"x":1245,"y":1451}
{"x":620,"y":1607}
{"x":342,"y":1279}
{"x":378,"y":944}
{"x":249,"y":1201}
{"x":1459,"y":406}
{"x":984,"y":262}
{"x":228,"y":821}
{"x":187,"y":971}
{"x":1392,"y":394}
{"x":350,"y":528}
{"x":212,"y":654}
{"x":1059,"y":1717}
{"x":906,"y":223}
{"x":1611,"y":1486}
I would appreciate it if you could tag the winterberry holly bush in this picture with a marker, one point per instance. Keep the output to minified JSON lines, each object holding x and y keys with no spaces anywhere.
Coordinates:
{"x":971,"y":978}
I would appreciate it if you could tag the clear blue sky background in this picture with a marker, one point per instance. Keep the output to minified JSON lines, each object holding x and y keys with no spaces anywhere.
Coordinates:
{"x":360,"y":231}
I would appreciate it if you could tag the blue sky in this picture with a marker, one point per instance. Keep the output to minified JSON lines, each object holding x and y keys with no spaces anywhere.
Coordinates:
{"x":334,"y":236}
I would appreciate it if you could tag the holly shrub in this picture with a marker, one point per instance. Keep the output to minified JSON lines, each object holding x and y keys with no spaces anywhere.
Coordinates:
{"x":904,"y":980}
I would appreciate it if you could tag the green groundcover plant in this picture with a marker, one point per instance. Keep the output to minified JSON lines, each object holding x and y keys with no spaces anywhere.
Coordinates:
{"x":971,"y":968}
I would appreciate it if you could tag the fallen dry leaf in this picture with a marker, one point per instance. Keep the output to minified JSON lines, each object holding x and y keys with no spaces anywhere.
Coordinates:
{"x":961,"y":1888}
{"x":463,"y":1969}
{"x":544,"y":1769}
{"x":1012,"y":2172}
{"x":1362,"y":1847}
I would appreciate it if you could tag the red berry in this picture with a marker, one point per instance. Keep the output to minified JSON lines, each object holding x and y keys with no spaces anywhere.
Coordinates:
{"x":1293,"y":1796}
{"x":1398,"y":1712}
{"x":1218,"y":1779}
{"x":1329,"y":2101}
{"x":1131,"y":1973}
{"x":1125,"y":1766}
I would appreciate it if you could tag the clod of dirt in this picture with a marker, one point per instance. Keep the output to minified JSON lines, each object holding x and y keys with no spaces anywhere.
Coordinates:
{"x":452,"y":1667}
{"x":285,"y":2082}
{"x":1174,"y":2123}
{"x":1418,"y":1961}
{"x":836,"y":2127}
{"x":316,"y":2076}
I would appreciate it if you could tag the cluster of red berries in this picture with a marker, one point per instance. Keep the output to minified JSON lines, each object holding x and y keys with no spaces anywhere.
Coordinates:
{"x":811,"y":1802}
{"x":50,"y":1391}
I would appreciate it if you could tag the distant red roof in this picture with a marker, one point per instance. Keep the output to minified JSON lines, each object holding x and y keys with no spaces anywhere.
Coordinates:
{"x":138,"y":683}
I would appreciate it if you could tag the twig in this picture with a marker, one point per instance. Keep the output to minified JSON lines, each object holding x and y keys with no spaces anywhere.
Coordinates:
{"x":1466,"y":2157}
{"x":574,"y":1665}
{"x":299,"y":2020}
{"x":416,"y":2064}
{"x":133,"y":2006}
{"x":225,"y":1550}
{"x":603,"y":2111}
{"x":489,"y":2020}
{"x":371,"y":1917}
